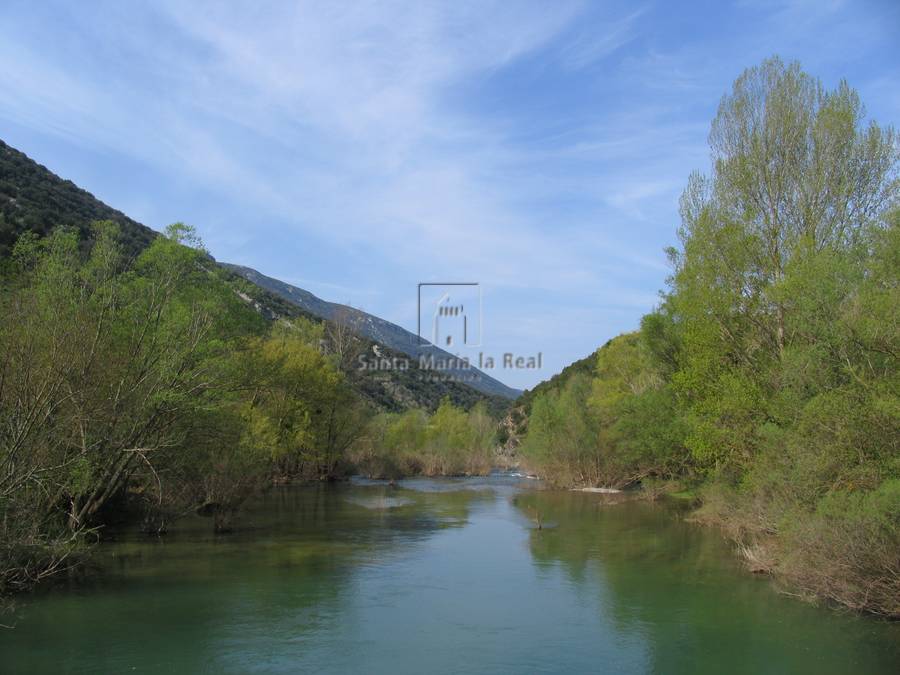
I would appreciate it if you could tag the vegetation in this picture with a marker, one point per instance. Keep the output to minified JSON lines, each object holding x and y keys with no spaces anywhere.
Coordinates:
{"x":583,"y":366}
{"x":768,"y":377}
{"x":139,"y":378}
{"x":450,"y":442}
{"x":150,"y":388}
{"x":33,"y":199}
{"x":514,"y":426}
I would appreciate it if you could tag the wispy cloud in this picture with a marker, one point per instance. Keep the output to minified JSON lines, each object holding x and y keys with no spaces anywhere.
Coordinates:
{"x":358,"y":148}
{"x":596,"y":41}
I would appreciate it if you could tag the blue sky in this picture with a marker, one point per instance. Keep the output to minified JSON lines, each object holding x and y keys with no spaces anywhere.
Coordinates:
{"x":357,"y":149}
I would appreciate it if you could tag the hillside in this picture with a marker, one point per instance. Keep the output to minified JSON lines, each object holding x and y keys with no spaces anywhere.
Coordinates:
{"x":34,"y":198}
{"x":375,"y":329}
{"x":584,"y":365}
{"x":514,"y":425}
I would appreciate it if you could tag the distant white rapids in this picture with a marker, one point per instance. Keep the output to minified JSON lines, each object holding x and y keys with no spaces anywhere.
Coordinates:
{"x":605,"y":491}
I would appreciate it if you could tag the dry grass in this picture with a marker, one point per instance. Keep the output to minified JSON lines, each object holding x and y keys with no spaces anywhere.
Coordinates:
{"x":758,"y":557}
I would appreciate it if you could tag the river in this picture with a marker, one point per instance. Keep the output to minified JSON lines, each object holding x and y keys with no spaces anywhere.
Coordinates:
{"x":446,"y":576}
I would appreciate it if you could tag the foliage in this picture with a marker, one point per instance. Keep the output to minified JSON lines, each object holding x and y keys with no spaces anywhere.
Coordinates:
{"x":34,"y":201}
{"x":584,"y":366}
{"x":614,"y":429}
{"x":770,"y":369}
{"x":563,"y":435}
{"x":149,"y":383}
{"x":449,"y":442}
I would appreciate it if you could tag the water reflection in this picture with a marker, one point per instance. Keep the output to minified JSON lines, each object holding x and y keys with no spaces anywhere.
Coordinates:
{"x":681,"y":589}
{"x":434,"y":576}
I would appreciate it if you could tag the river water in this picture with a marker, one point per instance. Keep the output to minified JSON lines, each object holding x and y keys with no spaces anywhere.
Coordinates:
{"x":446,"y":576}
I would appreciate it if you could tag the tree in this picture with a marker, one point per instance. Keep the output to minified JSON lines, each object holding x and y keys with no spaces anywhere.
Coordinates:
{"x":314,"y":414}
{"x":784,"y":301}
{"x":342,"y":337}
{"x":563,"y":438}
{"x":796,"y":174}
{"x":100,"y":366}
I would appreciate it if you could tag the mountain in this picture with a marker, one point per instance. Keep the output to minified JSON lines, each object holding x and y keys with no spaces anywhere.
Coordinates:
{"x":34,"y":198}
{"x":392,"y":390}
{"x":584,"y":366}
{"x":514,"y":424}
{"x":378,"y":330}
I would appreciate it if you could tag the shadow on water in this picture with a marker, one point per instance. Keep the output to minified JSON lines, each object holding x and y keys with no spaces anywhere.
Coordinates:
{"x":191,"y":599}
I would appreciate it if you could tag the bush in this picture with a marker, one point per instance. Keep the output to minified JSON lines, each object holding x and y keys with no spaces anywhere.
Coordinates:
{"x":848,"y":550}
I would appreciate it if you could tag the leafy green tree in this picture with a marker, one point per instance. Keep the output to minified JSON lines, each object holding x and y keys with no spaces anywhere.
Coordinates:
{"x":100,"y":367}
{"x":770,"y":367}
{"x":798,"y":178}
{"x":784,"y":302}
{"x":563,"y":439}
{"x":293,"y":400}
{"x":641,"y":427}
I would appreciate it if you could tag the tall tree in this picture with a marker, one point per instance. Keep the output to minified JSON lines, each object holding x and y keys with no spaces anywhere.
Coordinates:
{"x":797,"y":173}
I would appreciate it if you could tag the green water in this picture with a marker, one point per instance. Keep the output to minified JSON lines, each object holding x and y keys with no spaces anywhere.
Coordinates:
{"x":435,"y":576}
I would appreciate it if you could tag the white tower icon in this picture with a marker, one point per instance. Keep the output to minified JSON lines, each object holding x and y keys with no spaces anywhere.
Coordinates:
{"x":449,"y":323}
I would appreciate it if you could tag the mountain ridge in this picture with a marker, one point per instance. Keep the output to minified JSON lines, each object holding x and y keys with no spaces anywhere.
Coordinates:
{"x":34,"y":198}
{"x":376,"y":329}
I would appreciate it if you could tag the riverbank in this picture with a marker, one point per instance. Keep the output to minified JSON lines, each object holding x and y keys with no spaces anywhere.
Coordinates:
{"x":804,"y":569}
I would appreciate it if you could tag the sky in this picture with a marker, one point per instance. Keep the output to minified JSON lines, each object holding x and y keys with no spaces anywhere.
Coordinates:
{"x":357,"y":149}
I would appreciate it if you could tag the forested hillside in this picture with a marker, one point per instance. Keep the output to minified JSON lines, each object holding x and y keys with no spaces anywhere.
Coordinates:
{"x":33,"y":199}
{"x":583,"y":366}
{"x":767,"y":380}
{"x":396,"y":339}
{"x":514,"y":425}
